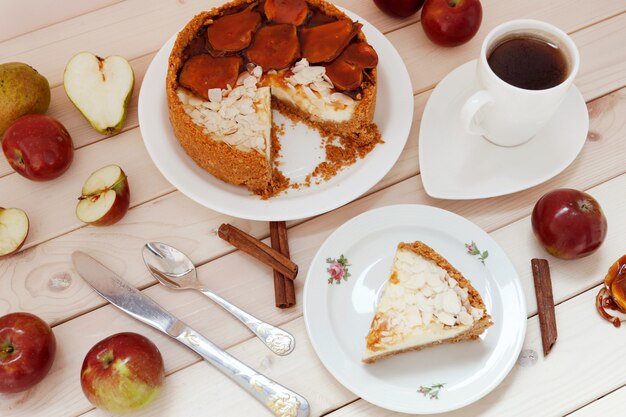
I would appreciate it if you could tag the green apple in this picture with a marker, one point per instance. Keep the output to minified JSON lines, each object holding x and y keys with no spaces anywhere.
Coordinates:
{"x":14,"y":228}
{"x":105,"y":197}
{"x":100,"y":88}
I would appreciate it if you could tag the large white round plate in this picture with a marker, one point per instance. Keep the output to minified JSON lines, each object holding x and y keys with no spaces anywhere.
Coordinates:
{"x":300,"y":146}
{"x":475,"y":167}
{"x":338,"y":316}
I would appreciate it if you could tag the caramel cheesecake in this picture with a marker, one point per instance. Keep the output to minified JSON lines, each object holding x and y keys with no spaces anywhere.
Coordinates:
{"x":425,"y":302}
{"x":231,"y":66}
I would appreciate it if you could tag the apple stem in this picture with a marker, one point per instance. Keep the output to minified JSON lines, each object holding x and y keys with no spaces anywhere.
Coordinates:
{"x":454,"y":3}
{"x":106,"y":358}
{"x":6,"y":348}
{"x":585,"y":205}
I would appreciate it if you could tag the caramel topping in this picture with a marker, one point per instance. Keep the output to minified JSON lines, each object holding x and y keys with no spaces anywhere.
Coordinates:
{"x":325,"y":42}
{"x":319,"y":18}
{"x":613,"y":295}
{"x":360,"y":54}
{"x":203,"y":72}
{"x":197,"y":46}
{"x":275,"y":47}
{"x":374,"y":337}
{"x":293,"y":12}
{"x":344,"y":75}
{"x":615,"y":281}
{"x":233,"y":32}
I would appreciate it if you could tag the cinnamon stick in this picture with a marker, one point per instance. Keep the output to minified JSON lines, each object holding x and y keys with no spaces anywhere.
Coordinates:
{"x":545,"y":303}
{"x":284,"y":291}
{"x":259,"y":250}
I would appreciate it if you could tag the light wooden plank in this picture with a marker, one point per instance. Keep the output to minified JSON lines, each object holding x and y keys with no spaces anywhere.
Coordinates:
{"x":605,"y":406}
{"x":22,"y":16}
{"x":252,"y":288}
{"x":42,"y":280}
{"x":185,"y":224}
{"x":606,"y":59}
{"x":50,"y":205}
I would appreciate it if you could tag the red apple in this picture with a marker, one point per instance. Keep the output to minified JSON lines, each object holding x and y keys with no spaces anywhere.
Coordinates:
{"x":399,"y":8}
{"x":451,"y":22}
{"x":105,"y":197}
{"x":569,"y":223}
{"x":14,"y":227}
{"x":122,"y":373}
{"x":27,"y":348}
{"x":38,"y":147}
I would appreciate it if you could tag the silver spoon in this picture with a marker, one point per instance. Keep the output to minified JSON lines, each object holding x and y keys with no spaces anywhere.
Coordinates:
{"x":174,"y":269}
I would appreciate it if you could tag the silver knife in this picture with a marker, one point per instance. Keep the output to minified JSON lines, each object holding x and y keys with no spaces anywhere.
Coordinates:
{"x":281,"y":401}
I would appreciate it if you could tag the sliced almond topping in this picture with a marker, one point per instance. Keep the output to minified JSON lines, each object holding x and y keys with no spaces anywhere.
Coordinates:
{"x":446,"y":318}
{"x":326,"y":42}
{"x":294,"y":12}
{"x":203,"y":72}
{"x":275,"y":47}
{"x":233,"y":32}
{"x":451,"y":302}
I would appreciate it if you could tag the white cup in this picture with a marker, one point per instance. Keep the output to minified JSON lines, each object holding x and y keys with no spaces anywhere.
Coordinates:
{"x":507,"y":115}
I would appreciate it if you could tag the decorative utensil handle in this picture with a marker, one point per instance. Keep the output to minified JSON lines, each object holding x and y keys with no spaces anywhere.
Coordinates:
{"x":278,"y":399}
{"x":277,"y":340}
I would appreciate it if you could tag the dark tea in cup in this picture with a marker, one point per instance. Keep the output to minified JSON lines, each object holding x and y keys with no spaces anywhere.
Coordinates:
{"x":528,"y":62}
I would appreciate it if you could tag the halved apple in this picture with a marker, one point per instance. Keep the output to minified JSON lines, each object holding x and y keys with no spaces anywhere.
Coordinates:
{"x":14,"y":226}
{"x":100,"y":88}
{"x":105,"y":197}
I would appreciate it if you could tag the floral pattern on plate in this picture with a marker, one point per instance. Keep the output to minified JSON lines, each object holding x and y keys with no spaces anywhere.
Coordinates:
{"x":472,"y":249}
{"x":337,"y":269}
{"x":432,"y":392}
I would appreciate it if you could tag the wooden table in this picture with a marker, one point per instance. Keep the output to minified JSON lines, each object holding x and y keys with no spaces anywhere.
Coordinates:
{"x":584,"y":374}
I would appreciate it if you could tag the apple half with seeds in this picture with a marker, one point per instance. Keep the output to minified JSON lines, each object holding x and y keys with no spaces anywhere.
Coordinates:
{"x":100,"y":88}
{"x":105,"y":197}
{"x":14,"y":226}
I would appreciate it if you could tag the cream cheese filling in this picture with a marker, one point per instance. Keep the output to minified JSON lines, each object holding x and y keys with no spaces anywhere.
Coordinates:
{"x":309,"y":89}
{"x":434,"y":332}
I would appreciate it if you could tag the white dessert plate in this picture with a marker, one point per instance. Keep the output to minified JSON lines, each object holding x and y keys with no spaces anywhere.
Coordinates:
{"x":457,"y":165}
{"x":300,"y":149}
{"x":433,"y":380}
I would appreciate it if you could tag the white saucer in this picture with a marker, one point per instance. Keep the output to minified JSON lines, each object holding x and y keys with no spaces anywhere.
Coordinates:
{"x":457,"y":165}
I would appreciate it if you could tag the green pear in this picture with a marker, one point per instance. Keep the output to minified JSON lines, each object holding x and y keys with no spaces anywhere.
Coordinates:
{"x":22,"y":91}
{"x":101,"y":89}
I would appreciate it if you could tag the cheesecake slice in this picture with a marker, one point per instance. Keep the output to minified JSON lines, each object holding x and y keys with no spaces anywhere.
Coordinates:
{"x":425,"y":302}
